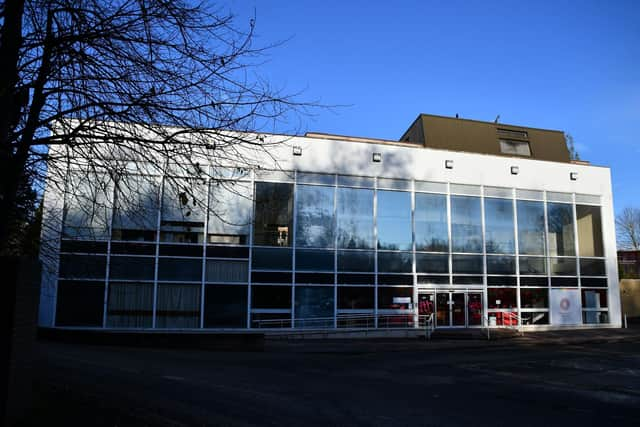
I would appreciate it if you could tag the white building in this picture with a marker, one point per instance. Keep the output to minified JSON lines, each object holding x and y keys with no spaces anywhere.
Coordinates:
{"x":499,"y":229}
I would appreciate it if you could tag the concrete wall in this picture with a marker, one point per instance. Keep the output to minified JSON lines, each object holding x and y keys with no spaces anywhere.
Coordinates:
{"x":630,"y":297}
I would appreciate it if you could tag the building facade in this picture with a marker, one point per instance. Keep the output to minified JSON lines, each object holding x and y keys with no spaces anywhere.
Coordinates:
{"x":344,"y":232}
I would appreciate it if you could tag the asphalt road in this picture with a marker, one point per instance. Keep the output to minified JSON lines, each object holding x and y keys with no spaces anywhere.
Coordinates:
{"x":511,"y":384}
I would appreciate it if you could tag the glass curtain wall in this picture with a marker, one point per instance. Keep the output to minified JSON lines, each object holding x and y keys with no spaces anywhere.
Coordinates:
{"x":280,"y":254}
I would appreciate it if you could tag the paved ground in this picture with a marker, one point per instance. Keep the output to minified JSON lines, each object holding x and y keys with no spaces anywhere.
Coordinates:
{"x":581,"y":378}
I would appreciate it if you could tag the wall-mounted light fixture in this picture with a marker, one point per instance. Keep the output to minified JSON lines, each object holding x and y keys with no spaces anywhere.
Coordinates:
{"x":297,"y":151}
{"x":448,"y":164}
{"x":377,"y":157}
{"x":573,"y":176}
{"x":515,"y":170}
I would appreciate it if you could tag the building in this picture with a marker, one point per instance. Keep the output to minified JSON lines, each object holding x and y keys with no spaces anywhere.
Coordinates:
{"x":480,"y":223}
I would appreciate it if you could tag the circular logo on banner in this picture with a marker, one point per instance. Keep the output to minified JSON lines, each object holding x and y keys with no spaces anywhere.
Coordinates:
{"x":565,"y":304}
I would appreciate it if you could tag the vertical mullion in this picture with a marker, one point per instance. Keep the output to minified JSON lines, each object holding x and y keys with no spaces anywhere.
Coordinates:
{"x":108,"y":269}
{"x":484,"y":250}
{"x":375,"y":249}
{"x":576,"y":243}
{"x":204,"y":248}
{"x":157,"y":260}
{"x":252,"y":221}
{"x":547,"y":253}
{"x":449,"y":232}
{"x":517,"y":250}
{"x":335,"y":251}
{"x":294,"y":212}
{"x":413,"y":255}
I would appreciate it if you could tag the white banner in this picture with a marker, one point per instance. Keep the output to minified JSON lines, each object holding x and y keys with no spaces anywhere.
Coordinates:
{"x":565,"y":307}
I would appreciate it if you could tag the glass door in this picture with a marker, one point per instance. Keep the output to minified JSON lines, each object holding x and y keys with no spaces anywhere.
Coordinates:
{"x":443,"y":317}
{"x":474,"y":309}
{"x":458,"y":308}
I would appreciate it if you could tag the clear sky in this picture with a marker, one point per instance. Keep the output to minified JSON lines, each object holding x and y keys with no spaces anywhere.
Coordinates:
{"x":566,"y":65}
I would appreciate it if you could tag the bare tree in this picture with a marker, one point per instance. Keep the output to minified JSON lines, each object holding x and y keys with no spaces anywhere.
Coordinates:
{"x":155,"y":81}
{"x":571,"y":146}
{"x":628,"y":229}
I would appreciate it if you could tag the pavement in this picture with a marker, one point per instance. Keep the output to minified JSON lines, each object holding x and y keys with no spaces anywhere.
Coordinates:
{"x":582,"y":377}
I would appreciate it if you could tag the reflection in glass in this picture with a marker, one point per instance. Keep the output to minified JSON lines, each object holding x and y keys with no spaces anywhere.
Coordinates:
{"x":225,"y":306}
{"x":88,"y":202}
{"x":230,"y":206}
{"x":355,"y":218}
{"x":466,"y":224}
{"x":534,"y":298}
{"x":467,"y":264}
{"x":431,"y":263}
{"x":563,"y":266}
{"x":560,"y":220}
{"x":314,"y":227}
{"x":498,"y":214}
{"x":394,"y":220}
{"x":313,"y":307}
{"x":530,"y":228}
{"x":589,"y":230}
{"x":431,"y":223}
{"x":395,"y":262}
{"x":184,"y":203}
{"x":356,"y":261}
{"x":533,"y":265}
{"x":136,"y":208}
{"x":501,"y":265}
{"x":274,"y":218}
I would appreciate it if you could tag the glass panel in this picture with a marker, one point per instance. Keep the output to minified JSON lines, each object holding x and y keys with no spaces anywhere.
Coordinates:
{"x":79,"y":303}
{"x":356,"y":279}
{"x":559,"y":197}
{"x":274,"y":175}
{"x":355,"y":181}
{"x":394,"y":220}
{"x":535,"y":318}
{"x":534,"y":298}
{"x":471,"y":190}
{"x":314,"y":216}
{"x":136,"y":208}
{"x":534,"y":281}
{"x":314,"y":278}
{"x":425,"y":304}
{"x":271,"y":297}
{"x":184,"y":203}
{"x":132,"y":268}
{"x":594,"y":298}
{"x":593,"y":282}
{"x":355,"y":297}
{"x":398,"y":298}
{"x":355,"y":218}
{"x":356,"y":261}
{"x":501,"y":265}
{"x":499,"y":238}
{"x":394,"y":184}
{"x":314,"y":307}
{"x":429,"y":263}
{"x":226,"y":271}
{"x":530,"y":194}
{"x":88,"y":202}
{"x":230,"y":206}
{"x":467,"y":264}
{"x":83,"y":266}
{"x":431,"y":187}
{"x":589,"y":230}
{"x":442,"y":309}
{"x":178,"y":306}
{"x":474,"y":308}
{"x":501,"y":192}
{"x":395,"y":262}
{"x":458,"y":309}
{"x":225,"y":306}
{"x":501,"y":298}
{"x":563,"y":266}
{"x":130,"y":305}
{"x":588,"y":198}
{"x":271,"y":259}
{"x":314,"y":260}
{"x":592,"y":267}
{"x":274,"y":214}
{"x":560,"y":220}
{"x":533,"y":265}
{"x":315,"y":178}
{"x":466,"y":224}
{"x":431,"y":223}
{"x":595,"y":317}
{"x":178,"y":269}
{"x":530,"y":228}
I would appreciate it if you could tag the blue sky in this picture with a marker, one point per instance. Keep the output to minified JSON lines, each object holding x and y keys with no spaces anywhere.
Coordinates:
{"x":567,"y":65}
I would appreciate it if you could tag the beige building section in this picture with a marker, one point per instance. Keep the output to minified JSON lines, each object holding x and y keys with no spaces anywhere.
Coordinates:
{"x":630,"y":297}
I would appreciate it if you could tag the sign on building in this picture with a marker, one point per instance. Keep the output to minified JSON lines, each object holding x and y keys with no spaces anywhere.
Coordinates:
{"x":565,"y":307}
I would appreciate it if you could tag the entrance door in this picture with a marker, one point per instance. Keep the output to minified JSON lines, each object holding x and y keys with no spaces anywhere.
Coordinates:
{"x":458,"y":309}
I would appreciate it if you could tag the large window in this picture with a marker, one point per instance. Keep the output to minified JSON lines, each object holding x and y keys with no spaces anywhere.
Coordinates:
{"x":355,"y":218}
{"x":184,"y":204}
{"x":531,"y":239}
{"x":511,"y":146}
{"x":136,"y":208}
{"x":313,"y":307}
{"x":431,"y":223}
{"x":314,"y":222}
{"x":589,"y":231}
{"x":230,"y":206}
{"x":130,"y":305}
{"x":498,"y":214}
{"x":88,"y":202}
{"x":394,"y":220}
{"x":466,"y":224}
{"x":274,"y":214}
{"x":560,"y":220}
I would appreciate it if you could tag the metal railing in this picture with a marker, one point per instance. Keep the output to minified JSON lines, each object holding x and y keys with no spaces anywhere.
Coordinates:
{"x":352,"y":322}
{"x":502,"y":320}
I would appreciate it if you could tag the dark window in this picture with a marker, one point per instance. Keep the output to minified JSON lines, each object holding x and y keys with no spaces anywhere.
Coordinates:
{"x":178,"y":306}
{"x":314,"y":278}
{"x":355,"y":261}
{"x":429,"y":263}
{"x":271,"y":297}
{"x":79,"y":303}
{"x":179,"y":269}
{"x":395,"y":262}
{"x":274,"y":214}
{"x":501,"y":297}
{"x":132,"y":268}
{"x":395,"y":279}
{"x":227,"y":252}
{"x":83,"y":266}
{"x":592,"y":267}
{"x":133,"y":248}
{"x":534,"y":281}
{"x":270,"y":277}
{"x":395,"y":298}
{"x":534,"y":298}
{"x":593,"y":282}
{"x":79,"y":246}
{"x":314,"y":307}
{"x":435,"y":280}
{"x":271,"y":259}
{"x":467,"y":264}
{"x":518,"y":148}
{"x":181,"y":250}
{"x":501,"y":265}
{"x":355,"y":297}
{"x":501,"y":281}
{"x":356,"y":279}
{"x":314,"y":260}
{"x":467,"y":280}
{"x":225,"y":306}
{"x":130,"y":305}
